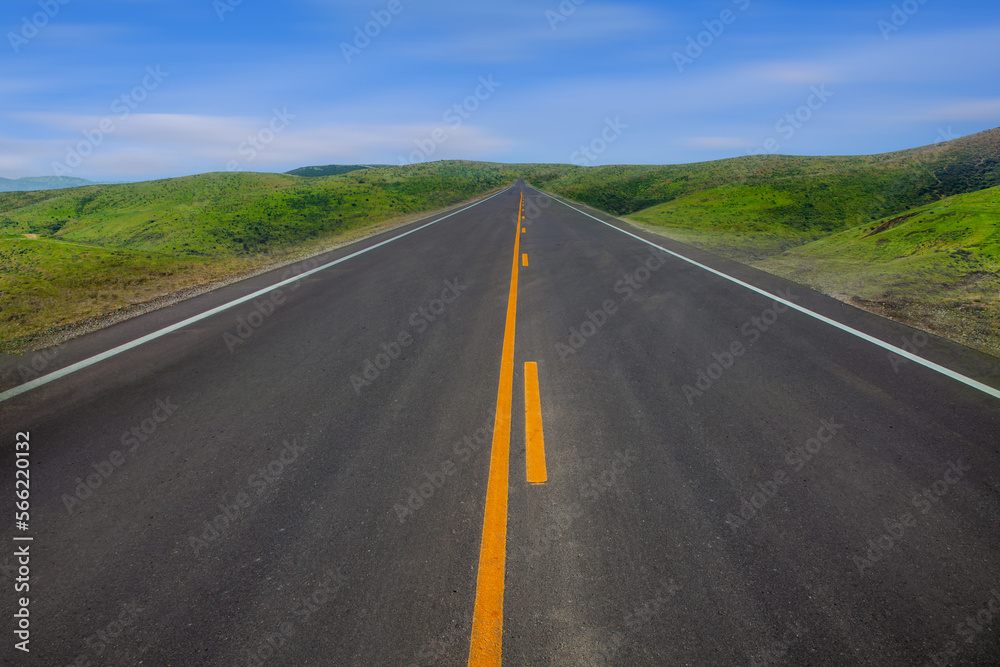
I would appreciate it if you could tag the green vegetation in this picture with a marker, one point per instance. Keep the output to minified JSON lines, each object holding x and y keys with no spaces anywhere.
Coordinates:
{"x":231,"y":214}
{"x":799,"y":194}
{"x":69,"y":254}
{"x":73,"y":254}
{"x":937,"y":267}
{"x":48,"y":283}
{"x":910,"y":235}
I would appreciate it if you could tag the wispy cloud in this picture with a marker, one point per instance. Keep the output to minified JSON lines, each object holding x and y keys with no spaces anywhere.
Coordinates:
{"x":532,"y":34}
{"x":560,"y":79}
{"x":968,"y":110}
{"x":148,"y":144}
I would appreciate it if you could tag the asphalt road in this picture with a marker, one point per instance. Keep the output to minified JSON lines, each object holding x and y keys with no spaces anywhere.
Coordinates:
{"x":301,"y":479}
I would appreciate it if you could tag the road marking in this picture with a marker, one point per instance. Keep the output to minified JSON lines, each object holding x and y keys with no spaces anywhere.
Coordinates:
{"x":975,"y":384}
{"x":533,"y":436}
{"x":524,"y":259}
{"x":487,"y":619}
{"x":523,"y":230}
{"x":63,"y":372}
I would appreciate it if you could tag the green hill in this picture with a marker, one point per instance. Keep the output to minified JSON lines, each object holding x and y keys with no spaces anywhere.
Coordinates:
{"x":936,"y":266}
{"x":240,"y":214}
{"x":70,"y":255}
{"x":773,"y":202}
{"x":46,"y":284}
{"x":56,"y":246}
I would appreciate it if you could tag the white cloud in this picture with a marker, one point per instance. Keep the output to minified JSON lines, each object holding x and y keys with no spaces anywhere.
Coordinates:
{"x":77,"y":34}
{"x":221,"y":92}
{"x":163,"y":144}
{"x":787,"y":72}
{"x":968,"y":110}
{"x":507,"y":41}
{"x":918,"y":59}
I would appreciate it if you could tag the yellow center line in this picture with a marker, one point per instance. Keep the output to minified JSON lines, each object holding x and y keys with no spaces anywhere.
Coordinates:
{"x":487,"y":619}
{"x":533,"y":435}
{"x":524,"y":259}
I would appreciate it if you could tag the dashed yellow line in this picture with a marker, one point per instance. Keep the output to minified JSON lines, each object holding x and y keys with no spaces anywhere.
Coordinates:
{"x":524,"y":259}
{"x":487,"y":619}
{"x":533,"y":435}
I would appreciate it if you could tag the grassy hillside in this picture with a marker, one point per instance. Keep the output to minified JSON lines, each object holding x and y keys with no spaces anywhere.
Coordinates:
{"x":233,"y":214}
{"x":71,"y":253}
{"x":936,"y":266}
{"x":48,"y":283}
{"x":791,"y":195}
{"x":240,"y":214}
{"x":911,"y":235}
{"x":752,"y":208}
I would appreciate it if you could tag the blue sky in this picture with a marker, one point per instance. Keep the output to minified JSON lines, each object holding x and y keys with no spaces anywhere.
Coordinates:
{"x":136,"y":89}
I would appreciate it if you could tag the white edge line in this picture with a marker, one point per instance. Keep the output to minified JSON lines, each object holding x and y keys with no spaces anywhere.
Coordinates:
{"x":975,"y":384}
{"x":90,"y":361}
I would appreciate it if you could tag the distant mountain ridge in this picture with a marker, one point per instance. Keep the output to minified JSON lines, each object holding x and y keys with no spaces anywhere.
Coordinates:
{"x":31,"y":183}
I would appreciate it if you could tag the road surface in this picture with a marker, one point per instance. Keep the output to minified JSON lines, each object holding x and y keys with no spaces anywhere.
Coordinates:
{"x":734,"y":472}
